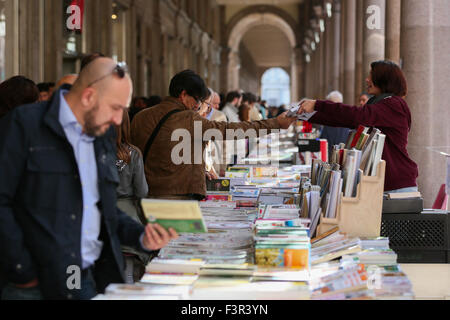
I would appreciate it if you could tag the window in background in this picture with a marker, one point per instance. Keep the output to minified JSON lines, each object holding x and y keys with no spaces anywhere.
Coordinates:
{"x":276,"y":88}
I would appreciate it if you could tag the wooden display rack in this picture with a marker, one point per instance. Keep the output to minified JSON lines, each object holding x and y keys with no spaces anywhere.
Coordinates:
{"x":360,"y":216}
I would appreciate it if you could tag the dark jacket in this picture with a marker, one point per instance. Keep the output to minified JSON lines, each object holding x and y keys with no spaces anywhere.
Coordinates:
{"x":393,"y":117}
{"x":132,"y":177}
{"x":41,"y":204}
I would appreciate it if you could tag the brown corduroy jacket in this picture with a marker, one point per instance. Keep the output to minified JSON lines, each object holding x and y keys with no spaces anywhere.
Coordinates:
{"x":164,"y":177}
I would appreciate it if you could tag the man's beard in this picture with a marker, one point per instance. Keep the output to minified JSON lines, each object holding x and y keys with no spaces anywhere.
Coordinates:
{"x":90,"y":127}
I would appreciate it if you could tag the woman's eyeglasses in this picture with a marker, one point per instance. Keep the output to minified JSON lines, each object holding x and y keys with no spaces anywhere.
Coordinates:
{"x":121,"y":69}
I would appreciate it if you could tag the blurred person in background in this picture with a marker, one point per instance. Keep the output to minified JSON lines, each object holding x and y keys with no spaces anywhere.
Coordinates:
{"x":363,"y":99}
{"x":67,"y":79}
{"x":232,"y":103}
{"x":334,"y":135}
{"x":15,"y":92}
{"x":250,"y":99}
{"x":44,"y":91}
{"x":137,"y":105}
{"x":153,"y":101}
{"x":131,"y":189}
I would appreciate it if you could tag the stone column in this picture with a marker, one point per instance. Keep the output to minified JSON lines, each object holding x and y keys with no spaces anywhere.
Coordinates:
{"x":234,"y":66}
{"x":321,"y":70}
{"x":296,"y":74}
{"x":374,"y":35}
{"x":350,"y":52}
{"x":336,"y":44}
{"x":343,"y":38}
{"x":223,"y":70}
{"x":426,"y":62}
{"x":317,"y":62}
{"x":142,"y":71}
{"x":12,"y":38}
{"x":308,"y":78}
{"x":165,"y":61}
{"x":359,"y":76}
{"x":328,"y":43}
{"x":98,"y":26}
{"x":53,"y":45}
{"x":393,"y":26}
{"x":131,"y":45}
{"x":31,"y":40}
{"x":156,"y":54}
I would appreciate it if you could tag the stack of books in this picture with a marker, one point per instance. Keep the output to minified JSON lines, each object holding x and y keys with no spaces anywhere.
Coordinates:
{"x":282,"y":247}
{"x":360,"y":269}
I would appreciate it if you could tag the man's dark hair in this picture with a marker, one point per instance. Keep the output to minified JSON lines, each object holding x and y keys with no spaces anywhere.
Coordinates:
{"x":89,"y":58}
{"x":190,"y":82}
{"x":388,"y":76}
{"x":153,"y":101}
{"x":232,"y":95}
{"x":15,"y":92}
{"x":249,"y":98}
{"x":44,"y":86}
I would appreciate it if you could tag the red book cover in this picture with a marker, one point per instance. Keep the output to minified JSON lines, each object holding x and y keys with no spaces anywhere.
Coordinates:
{"x":307,"y":127}
{"x":216,"y":197}
{"x":441,"y":202}
{"x":341,"y":157}
{"x":357,"y":136}
{"x":324,"y":150}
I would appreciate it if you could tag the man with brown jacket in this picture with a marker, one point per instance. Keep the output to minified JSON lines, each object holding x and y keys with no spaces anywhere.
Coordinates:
{"x":167,"y":176}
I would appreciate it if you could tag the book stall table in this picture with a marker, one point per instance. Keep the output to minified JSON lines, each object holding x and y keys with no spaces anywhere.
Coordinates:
{"x":430,"y":281}
{"x":261,"y":244}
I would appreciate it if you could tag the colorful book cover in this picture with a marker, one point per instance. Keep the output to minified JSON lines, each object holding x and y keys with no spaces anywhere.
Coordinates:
{"x":358,"y":134}
{"x":276,"y":256}
{"x":183,"y":216}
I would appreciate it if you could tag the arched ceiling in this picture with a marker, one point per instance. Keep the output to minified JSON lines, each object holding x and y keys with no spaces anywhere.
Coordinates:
{"x":268,"y":46}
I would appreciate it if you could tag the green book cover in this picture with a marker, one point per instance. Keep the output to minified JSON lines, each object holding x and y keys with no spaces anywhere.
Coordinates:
{"x":183,"y":216}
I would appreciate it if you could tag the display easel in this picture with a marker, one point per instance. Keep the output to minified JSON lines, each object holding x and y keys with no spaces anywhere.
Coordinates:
{"x":360,"y":216}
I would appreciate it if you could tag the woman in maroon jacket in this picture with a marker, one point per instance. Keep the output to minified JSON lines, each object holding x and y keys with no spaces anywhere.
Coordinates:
{"x":387,"y":111}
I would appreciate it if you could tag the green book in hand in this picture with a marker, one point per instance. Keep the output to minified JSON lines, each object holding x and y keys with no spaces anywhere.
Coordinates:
{"x":183,"y":216}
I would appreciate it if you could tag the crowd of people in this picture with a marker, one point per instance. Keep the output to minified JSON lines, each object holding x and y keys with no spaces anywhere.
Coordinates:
{"x":73,"y":166}
{"x":76,"y":157}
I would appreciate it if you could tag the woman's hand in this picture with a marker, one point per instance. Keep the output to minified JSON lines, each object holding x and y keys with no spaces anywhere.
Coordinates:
{"x":307,"y":106}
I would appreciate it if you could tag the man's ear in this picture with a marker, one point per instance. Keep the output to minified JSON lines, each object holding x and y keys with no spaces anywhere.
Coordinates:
{"x":88,"y":97}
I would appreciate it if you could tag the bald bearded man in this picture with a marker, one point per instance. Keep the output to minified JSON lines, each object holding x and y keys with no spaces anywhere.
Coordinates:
{"x":60,"y":229}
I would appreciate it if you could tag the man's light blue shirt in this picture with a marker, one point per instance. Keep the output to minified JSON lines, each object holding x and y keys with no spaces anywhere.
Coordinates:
{"x":83,"y":147}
